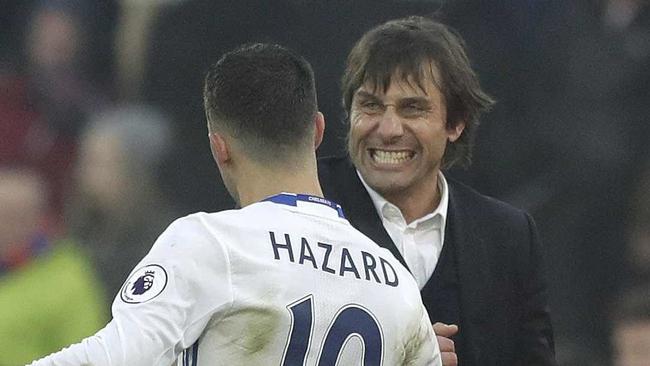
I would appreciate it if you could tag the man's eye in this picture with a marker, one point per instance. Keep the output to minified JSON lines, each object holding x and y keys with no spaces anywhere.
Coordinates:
{"x":371,"y":105}
{"x":414,"y":110}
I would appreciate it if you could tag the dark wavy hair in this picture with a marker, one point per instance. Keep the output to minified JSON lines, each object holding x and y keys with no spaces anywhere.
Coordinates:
{"x":402,"y":47}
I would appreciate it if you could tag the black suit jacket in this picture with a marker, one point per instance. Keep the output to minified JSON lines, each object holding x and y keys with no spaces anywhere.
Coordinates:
{"x":504,"y":313}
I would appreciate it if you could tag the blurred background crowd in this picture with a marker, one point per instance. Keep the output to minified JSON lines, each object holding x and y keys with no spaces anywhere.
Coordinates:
{"x":103,"y":143}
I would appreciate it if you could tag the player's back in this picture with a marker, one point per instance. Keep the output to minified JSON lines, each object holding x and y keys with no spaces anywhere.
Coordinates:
{"x":298,"y":285}
{"x":286,"y":282}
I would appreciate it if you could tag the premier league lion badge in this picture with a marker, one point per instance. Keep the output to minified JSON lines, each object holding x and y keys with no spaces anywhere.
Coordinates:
{"x":144,"y":284}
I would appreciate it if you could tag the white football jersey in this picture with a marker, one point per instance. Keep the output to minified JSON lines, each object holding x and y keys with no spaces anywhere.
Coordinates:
{"x":285,"y":281}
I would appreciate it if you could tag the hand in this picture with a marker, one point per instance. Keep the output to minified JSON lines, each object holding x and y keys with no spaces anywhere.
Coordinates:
{"x":444,"y":332}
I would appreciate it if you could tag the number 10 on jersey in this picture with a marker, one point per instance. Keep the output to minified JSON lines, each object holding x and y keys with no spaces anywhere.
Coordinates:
{"x":350,"y":321}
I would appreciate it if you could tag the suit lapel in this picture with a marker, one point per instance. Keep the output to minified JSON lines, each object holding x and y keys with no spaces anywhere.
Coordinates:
{"x":473,"y":273}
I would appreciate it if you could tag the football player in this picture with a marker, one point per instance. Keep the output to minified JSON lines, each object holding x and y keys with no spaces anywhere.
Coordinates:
{"x":285,"y":280}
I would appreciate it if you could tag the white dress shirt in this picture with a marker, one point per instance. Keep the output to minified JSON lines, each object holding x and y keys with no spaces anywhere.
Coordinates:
{"x":419,"y":242}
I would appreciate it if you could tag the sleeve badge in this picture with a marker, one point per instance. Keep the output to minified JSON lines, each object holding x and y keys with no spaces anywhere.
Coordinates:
{"x":144,"y":284}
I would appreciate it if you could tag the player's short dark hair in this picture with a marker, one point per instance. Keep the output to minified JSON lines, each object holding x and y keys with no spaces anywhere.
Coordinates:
{"x":404,"y":46}
{"x":264,"y":95}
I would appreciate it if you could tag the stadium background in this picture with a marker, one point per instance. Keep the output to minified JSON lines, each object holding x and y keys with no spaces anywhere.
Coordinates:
{"x":100,"y":100}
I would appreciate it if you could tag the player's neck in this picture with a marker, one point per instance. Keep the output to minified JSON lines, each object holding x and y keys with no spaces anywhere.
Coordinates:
{"x":260,"y":183}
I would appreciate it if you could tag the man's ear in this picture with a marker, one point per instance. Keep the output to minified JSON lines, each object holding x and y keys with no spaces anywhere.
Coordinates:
{"x":319,"y":129}
{"x":219,"y":147}
{"x":453,"y":133}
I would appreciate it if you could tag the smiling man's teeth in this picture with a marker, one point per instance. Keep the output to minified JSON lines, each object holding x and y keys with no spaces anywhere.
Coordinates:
{"x":390,"y":157}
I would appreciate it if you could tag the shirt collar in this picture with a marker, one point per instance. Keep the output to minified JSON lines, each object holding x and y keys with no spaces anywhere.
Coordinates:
{"x":381,"y":204}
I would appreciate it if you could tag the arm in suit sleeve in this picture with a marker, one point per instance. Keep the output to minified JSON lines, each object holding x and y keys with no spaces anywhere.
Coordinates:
{"x":535,"y":341}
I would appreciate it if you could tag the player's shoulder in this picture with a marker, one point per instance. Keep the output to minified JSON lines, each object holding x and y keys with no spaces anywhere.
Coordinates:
{"x":221,"y":223}
{"x":204,"y":221}
{"x":195,"y":231}
{"x":192,"y":223}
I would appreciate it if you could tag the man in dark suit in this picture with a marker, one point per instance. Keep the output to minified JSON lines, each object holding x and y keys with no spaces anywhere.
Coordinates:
{"x":413,"y":104}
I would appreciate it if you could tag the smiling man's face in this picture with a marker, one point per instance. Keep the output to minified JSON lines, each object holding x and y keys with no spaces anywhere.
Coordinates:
{"x":398,"y":137}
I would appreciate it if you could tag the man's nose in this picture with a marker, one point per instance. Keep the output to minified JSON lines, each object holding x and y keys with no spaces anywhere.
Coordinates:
{"x":390,"y":125}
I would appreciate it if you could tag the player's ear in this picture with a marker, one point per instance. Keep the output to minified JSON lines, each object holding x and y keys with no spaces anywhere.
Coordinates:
{"x":453,"y":133}
{"x":319,"y":129}
{"x":219,"y":147}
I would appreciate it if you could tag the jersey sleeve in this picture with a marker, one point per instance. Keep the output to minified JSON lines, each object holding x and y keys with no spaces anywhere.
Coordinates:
{"x":422,"y":348}
{"x":165,"y":303}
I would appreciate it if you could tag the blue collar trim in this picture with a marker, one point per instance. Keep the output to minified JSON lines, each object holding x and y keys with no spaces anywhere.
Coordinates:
{"x":292,"y":200}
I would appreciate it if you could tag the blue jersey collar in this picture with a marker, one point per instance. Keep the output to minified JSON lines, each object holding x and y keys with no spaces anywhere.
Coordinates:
{"x":292,"y":199}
